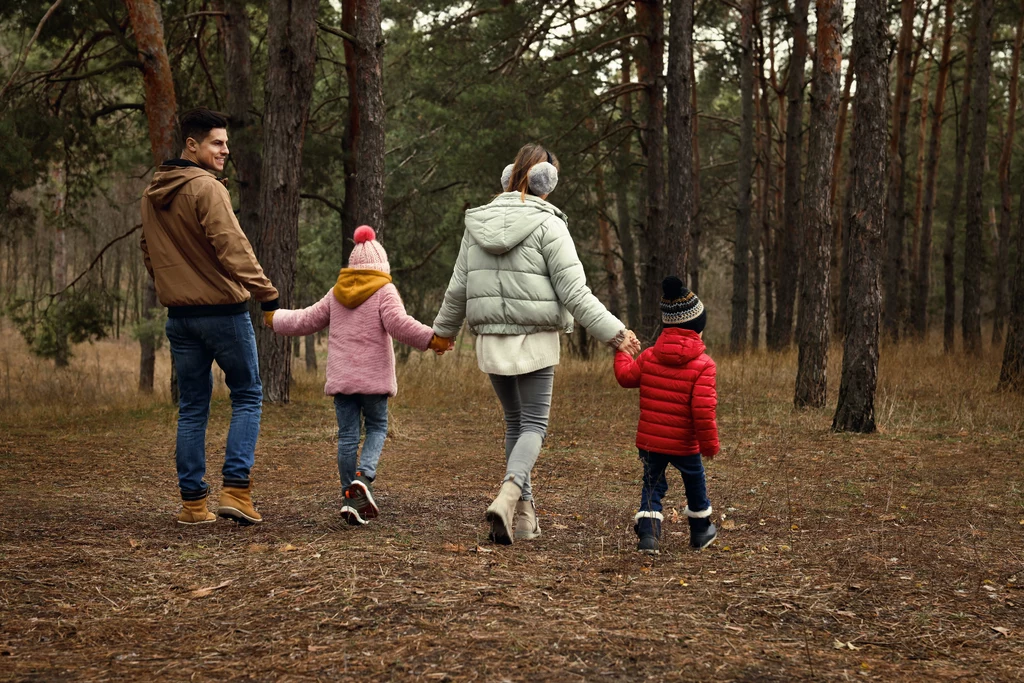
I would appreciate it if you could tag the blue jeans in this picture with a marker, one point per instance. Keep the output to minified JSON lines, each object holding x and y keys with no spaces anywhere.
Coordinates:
{"x":656,"y":485}
{"x":373,"y":408}
{"x":195,"y":344}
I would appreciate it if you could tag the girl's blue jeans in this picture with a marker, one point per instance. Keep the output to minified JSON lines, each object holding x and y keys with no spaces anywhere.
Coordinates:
{"x":352,"y":410}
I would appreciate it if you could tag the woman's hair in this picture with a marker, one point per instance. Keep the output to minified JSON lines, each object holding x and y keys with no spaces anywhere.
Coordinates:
{"x":529,"y":156}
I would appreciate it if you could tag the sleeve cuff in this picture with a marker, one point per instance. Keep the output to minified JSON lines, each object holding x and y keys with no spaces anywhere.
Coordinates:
{"x":271,"y":305}
{"x":616,"y":341}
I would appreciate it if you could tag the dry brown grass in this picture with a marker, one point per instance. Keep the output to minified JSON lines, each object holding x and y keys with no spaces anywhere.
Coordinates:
{"x":894,"y":556}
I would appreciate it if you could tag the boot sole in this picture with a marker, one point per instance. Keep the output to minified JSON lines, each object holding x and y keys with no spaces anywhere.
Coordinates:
{"x":369,"y":510}
{"x":205,"y":521}
{"x":526,"y":535}
{"x":706,"y":543}
{"x":236,"y":515}
{"x":501,"y":531}
{"x":351,"y":515}
{"x":648,"y":551}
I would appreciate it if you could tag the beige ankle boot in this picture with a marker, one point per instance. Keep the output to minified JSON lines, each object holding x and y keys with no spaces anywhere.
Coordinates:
{"x":502,"y":511}
{"x":527,"y":526}
{"x":195,"y":512}
{"x":236,"y":504}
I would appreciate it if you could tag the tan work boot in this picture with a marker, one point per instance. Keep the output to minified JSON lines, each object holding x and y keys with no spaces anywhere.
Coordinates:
{"x":195,"y":512}
{"x":236,"y":504}
{"x":527,"y":526}
{"x":501,"y":512}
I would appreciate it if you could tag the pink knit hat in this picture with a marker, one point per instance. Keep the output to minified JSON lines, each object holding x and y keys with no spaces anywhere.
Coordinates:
{"x":368,"y":254}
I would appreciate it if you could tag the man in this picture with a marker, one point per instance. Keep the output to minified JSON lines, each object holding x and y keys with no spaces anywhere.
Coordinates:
{"x":205,"y":270}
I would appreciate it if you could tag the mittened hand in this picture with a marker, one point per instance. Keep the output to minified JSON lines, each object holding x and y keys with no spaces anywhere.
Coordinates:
{"x":268,"y":319}
{"x":440,"y":344}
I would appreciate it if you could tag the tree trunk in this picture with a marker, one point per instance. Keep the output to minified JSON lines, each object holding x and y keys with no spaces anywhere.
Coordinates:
{"x":838,"y":265}
{"x":161,"y":113}
{"x":865,"y":219}
{"x":741,"y":250}
{"x":922,"y":280}
{"x":350,"y":138}
{"x":369,"y":93}
{"x":245,"y":142}
{"x":766,"y":190}
{"x":650,"y":18}
{"x":974,"y":248}
{"x":813,"y":317}
{"x":787,"y":265}
{"x":693,"y":255}
{"x":680,"y":137}
{"x":963,"y":128}
{"x":623,"y":178}
{"x":59,"y":262}
{"x":311,"y":353}
{"x":1003,"y":254}
{"x":1011,"y":375}
{"x":611,"y":272}
{"x":291,"y":36}
{"x":896,"y":210}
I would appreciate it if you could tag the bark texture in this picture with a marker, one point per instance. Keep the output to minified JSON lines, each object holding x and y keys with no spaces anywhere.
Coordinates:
{"x":745,"y":170}
{"x":865,"y":219}
{"x":1003,"y":244}
{"x":624,"y":176}
{"x":787,"y":266}
{"x":680,"y":137}
{"x":1011,"y":375}
{"x":291,"y":36}
{"x":245,"y":143}
{"x":650,"y":17}
{"x":369,"y":145}
{"x":922,"y":278}
{"x":813,"y":322}
{"x":161,"y":114}
{"x":974,"y":248}
{"x":897,"y":213}
{"x":963,"y":128}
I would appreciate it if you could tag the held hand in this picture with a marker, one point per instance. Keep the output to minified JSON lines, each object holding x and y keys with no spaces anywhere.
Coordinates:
{"x":268,"y":319}
{"x":630,"y":344}
{"x":440,"y":344}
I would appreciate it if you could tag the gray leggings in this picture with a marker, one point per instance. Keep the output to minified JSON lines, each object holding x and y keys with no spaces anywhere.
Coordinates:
{"x":526,"y":400}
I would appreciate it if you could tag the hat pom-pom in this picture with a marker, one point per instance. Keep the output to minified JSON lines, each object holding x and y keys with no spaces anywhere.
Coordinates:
{"x":672,"y":287}
{"x":364,"y":233}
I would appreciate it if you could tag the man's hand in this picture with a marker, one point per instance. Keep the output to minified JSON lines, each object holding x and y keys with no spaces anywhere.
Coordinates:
{"x":268,"y":319}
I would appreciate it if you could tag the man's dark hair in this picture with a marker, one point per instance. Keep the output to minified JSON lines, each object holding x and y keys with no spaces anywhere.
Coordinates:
{"x":197,"y":123}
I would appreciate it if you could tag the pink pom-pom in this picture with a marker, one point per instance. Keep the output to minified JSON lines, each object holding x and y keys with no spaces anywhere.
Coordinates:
{"x":364,"y":233}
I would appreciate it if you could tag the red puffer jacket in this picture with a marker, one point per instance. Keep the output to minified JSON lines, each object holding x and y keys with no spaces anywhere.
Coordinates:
{"x":677,"y":394}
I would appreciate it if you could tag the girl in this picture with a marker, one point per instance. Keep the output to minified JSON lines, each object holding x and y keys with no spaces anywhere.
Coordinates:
{"x":518,"y":282}
{"x":364,"y":312}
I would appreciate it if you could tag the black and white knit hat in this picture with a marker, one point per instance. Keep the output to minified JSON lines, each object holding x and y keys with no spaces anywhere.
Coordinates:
{"x":680,"y":307}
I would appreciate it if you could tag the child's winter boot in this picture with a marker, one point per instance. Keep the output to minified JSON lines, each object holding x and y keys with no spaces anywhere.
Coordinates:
{"x":647,"y":525}
{"x":702,"y":531}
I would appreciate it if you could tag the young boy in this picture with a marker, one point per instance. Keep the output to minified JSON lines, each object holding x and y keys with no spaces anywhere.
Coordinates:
{"x":677,"y":415}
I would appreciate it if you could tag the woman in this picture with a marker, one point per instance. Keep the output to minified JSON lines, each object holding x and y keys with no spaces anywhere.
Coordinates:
{"x":518,"y":282}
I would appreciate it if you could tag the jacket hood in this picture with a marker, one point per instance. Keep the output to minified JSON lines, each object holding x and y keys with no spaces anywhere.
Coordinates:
{"x":355,"y":285}
{"x":501,"y":225}
{"x":676,"y":346}
{"x":171,"y":177}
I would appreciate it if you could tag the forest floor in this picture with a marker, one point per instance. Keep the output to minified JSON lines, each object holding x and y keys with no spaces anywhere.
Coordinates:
{"x":897,"y":556}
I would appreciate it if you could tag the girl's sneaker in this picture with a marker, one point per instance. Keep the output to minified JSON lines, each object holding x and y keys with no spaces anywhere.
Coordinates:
{"x":360,"y":507}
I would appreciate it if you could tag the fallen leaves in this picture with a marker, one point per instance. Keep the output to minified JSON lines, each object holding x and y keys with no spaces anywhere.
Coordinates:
{"x":1002,"y":630}
{"x":287,"y":548}
{"x":203,"y":592}
{"x":729,"y":525}
{"x":455,"y":548}
{"x":840,"y":645}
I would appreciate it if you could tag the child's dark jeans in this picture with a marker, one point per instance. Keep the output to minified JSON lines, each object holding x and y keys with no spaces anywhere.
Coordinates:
{"x":656,"y":485}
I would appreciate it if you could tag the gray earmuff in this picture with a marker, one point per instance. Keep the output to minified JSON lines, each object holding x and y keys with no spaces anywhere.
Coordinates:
{"x":543,"y":178}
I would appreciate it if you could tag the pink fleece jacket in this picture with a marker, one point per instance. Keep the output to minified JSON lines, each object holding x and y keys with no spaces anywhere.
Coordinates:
{"x":360,"y":356}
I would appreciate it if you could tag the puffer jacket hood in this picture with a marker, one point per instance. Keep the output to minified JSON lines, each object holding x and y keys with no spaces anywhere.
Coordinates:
{"x":356,"y":285}
{"x":500,"y":226}
{"x":676,"y":346}
{"x":169,"y":179}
